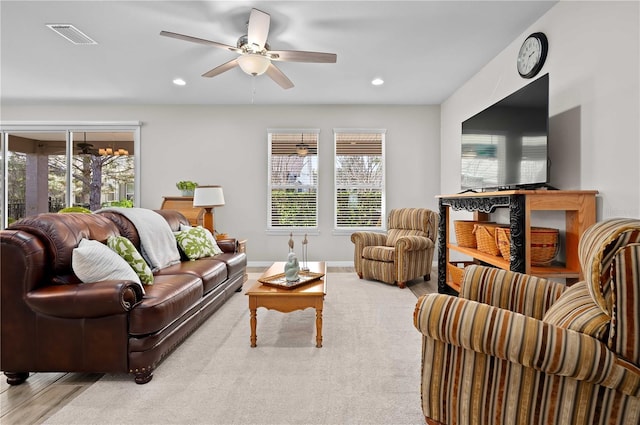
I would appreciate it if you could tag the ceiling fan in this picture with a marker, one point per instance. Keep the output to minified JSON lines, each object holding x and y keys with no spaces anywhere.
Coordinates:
{"x":255,"y":54}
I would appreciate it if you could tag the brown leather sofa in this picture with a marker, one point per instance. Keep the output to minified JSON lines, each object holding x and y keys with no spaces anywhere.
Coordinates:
{"x":51,"y":322}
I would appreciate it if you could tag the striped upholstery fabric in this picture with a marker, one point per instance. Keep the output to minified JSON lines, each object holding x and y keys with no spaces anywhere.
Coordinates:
{"x":576,"y":310}
{"x":361,"y":240}
{"x":625,"y":337}
{"x":411,"y":222}
{"x":404,"y":253}
{"x":611,"y":269}
{"x":379,"y":253}
{"x":513,"y":291}
{"x":597,"y":249}
{"x":514,"y":349}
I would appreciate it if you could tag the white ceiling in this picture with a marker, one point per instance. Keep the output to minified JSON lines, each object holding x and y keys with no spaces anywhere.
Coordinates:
{"x":424,"y":50}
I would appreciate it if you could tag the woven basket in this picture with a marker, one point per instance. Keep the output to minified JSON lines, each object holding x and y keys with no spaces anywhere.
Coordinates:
{"x":543,"y":245}
{"x":464,"y":233}
{"x":486,"y":238}
{"x":456,"y":270}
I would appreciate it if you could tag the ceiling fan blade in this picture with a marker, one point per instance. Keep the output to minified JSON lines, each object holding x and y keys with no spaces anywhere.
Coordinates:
{"x":222,"y":68}
{"x":199,"y":40}
{"x":258,"y":29}
{"x":299,"y":56}
{"x":276,"y":75}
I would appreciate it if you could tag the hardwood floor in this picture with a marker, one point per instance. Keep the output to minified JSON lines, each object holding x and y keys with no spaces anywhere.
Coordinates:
{"x":43,"y":394}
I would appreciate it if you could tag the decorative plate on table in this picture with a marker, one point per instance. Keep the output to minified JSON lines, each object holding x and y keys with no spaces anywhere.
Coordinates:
{"x":280,"y":281}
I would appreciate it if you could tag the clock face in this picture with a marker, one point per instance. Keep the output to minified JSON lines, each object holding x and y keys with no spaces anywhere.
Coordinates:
{"x":532,"y":55}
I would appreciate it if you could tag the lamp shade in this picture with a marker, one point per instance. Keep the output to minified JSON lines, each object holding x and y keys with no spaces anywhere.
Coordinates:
{"x":208,"y":196}
{"x":254,"y":64}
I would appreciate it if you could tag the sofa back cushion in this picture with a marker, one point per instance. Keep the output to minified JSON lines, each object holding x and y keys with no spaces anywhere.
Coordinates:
{"x":61,"y":233}
{"x":175,"y":219}
{"x":124,"y":225}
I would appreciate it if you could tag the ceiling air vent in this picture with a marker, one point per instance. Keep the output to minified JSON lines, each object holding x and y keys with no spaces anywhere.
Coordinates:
{"x":71,"y":33}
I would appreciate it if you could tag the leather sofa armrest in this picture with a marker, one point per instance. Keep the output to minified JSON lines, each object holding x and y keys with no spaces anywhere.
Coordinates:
{"x":85,"y":300}
{"x":228,"y":245}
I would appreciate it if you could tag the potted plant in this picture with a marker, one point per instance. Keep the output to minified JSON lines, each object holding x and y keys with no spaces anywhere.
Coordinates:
{"x":186,"y":187}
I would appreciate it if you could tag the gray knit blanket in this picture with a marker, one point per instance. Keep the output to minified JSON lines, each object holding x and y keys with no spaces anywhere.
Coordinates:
{"x":157,"y":243}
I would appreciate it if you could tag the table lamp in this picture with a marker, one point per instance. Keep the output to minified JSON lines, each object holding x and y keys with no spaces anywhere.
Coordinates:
{"x":208,"y":197}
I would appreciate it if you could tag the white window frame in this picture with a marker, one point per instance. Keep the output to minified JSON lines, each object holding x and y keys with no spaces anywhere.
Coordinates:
{"x":296,"y":230}
{"x":348,"y":230}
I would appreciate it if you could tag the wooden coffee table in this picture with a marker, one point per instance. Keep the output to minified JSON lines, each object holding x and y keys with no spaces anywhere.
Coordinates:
{"x":308,"y":295}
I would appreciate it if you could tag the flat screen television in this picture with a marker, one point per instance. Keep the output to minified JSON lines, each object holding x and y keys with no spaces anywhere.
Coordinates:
{"x":505,"y":145}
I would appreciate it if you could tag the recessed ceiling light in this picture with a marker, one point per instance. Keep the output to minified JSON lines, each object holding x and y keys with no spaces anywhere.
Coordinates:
{"x":377,"y":81}
{"x":179,"y":82}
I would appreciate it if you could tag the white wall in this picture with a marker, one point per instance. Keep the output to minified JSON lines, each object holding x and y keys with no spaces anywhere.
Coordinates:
{"x":227,"y":145}
{"x":593,"y":66}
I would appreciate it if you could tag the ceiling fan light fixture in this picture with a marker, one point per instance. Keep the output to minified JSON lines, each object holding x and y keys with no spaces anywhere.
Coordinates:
{"x":302,"y":149}
{"x":253,"y":63}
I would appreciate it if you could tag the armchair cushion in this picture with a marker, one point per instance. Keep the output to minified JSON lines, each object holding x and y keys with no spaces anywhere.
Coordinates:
{"x":379,"y":253}
{"x":575,"y":309}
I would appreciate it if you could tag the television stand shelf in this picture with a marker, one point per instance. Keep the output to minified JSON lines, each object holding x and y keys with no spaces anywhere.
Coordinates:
{"x":580,"y":212}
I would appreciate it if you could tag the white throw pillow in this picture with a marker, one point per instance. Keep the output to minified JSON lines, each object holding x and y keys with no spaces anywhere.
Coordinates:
{"x":93,"y":261}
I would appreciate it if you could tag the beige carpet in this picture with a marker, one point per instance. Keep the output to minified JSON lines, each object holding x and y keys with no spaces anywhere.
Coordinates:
{"x":367,"y":372}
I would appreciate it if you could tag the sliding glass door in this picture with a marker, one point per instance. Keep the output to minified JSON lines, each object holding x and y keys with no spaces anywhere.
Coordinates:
{"x":85,"y":166}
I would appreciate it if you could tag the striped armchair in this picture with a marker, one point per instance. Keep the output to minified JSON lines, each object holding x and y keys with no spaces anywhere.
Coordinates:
{"x":516,"y":349}
{"x":404,"y":253}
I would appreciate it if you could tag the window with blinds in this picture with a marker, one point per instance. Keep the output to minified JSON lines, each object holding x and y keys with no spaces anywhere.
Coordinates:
{"x":359,"y":179}
{"x":293,"y":179}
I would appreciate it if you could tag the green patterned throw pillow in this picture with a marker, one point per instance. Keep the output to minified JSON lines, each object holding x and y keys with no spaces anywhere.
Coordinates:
{"x":194,"y":243}
{"x":125,"y":248}
{"x":216,"y":248}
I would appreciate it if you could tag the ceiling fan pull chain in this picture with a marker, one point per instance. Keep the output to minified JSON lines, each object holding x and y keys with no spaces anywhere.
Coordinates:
{"x":253,"y":88}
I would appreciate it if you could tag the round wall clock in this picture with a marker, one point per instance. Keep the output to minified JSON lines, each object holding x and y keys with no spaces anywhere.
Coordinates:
{"x":532,"y":55}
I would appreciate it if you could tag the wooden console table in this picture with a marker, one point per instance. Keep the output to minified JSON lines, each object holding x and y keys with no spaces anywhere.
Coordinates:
{"x":184,"y":204}
{"x":580,"y":212}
